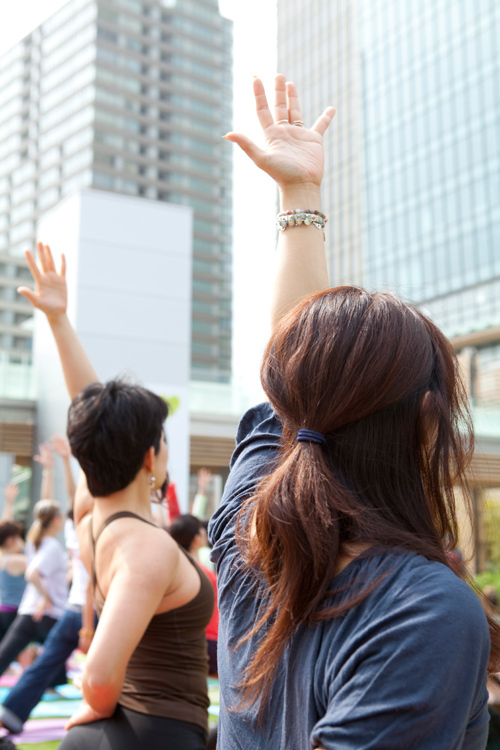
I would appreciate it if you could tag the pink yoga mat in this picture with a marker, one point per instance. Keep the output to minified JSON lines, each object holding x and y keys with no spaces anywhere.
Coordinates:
{"x":38,"y":730}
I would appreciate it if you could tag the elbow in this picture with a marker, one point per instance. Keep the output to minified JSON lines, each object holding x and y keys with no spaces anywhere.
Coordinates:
{"x":101,"y":692}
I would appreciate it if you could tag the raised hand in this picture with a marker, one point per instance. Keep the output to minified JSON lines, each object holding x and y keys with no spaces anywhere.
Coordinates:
{"x":45,"y":457}
{"x":11,"y":493}
{"x":50,"y":294}
{"x":60,"y":446}
{"x":293,"y":154}
{"x":204,"y":477}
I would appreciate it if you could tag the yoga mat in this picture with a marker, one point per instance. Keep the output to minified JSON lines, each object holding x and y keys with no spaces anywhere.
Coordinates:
{"x":70,"y":692}
{"x":41,"y":730}
{"x":54,"y":709}
{"x":9,"y":680}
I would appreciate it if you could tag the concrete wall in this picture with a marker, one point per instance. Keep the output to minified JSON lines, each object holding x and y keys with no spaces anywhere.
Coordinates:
{"x":129,"y":284}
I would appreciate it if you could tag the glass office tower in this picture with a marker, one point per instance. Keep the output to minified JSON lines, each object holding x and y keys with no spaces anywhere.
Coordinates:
{"x":413,"y":191}
{"x":129,"y":96}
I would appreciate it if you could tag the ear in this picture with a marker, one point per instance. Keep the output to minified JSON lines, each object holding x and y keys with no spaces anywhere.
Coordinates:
{"x":149,"y":459}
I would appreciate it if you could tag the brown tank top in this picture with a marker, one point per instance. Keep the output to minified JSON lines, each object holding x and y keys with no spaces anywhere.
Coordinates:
{"x":167,"y":673}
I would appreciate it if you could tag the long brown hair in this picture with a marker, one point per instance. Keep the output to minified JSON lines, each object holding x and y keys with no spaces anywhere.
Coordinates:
{"x":381,"y":383}
{"x":44,"y":513}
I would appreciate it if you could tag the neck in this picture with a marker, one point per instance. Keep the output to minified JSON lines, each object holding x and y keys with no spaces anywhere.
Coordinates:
{"x":49,"y":532}
{"x":135,"y":498}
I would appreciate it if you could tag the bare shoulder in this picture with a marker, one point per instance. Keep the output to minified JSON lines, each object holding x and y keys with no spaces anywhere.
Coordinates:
{"x":141,"y":549}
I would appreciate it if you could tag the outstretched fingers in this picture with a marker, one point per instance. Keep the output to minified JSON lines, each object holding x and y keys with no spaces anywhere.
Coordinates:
{"x":49,"y":258}
{"x":263,"y":111}
{"x":324,"y":121}
{"x":280,"y":98}
{"x":248,"y":146}
{"x":63,"y":265}
{"x":33,"y":266}
{"x":294,"y":110}
{"x":28,"y":293}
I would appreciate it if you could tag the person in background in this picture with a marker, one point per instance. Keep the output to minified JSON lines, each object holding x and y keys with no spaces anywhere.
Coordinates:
{"x":172,"y":501}
{"x":159,"y":508}
{"x":74,"y":630}
{"x":61,"y":447}
{"x":13,"y":564}
{"x":191,"y":534}
{"x":200,"y":502}
{"x":11,"y":493}
{"x":46,"y":592}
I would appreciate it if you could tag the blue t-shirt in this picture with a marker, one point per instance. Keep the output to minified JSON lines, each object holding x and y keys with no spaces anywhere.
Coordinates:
{"x":406,"y":668}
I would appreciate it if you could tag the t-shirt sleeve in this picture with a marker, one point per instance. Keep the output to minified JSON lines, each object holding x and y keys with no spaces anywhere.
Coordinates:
{"x":257,"y":442}
{"x":49,"y":558}
{"x":416,"y":678}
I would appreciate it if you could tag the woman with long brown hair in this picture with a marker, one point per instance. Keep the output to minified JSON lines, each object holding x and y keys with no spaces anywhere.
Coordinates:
{"x":342,"y":624}
{"x":46,"y":592}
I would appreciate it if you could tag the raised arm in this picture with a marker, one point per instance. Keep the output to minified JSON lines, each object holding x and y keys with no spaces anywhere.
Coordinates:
{"x":45,"y":458}
{"x":51,"y":297}
{"x":61,"y":447}
{"x":293,"y":157}
{"x":11,"y":493}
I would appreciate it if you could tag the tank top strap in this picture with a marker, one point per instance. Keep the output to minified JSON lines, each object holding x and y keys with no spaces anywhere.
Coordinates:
{"x":95,"y":539}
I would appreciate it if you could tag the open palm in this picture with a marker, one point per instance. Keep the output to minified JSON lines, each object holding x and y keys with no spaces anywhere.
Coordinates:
{"x":293,"y":154}
{"x":50,"y":294}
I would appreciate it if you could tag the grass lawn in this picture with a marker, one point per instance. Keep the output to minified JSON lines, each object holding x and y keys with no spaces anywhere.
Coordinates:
{"x":41,"y":746}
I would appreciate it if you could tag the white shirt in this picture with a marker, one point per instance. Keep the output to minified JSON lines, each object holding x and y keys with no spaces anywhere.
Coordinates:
{"x":78,"y":590}
{"x":50,"y":561}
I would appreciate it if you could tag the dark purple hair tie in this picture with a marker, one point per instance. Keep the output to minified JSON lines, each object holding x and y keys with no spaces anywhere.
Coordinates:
{"x":310,"y":436}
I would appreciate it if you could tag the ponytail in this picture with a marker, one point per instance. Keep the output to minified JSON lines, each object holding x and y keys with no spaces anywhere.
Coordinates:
{"x":35,"y":533}
{"x":381,"y":383}
{"x":44,"y":513}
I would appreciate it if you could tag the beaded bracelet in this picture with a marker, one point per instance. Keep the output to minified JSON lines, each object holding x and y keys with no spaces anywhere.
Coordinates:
{"x":303,"y":211}
{"x":298,"y":217}
{"x":85,"y":633}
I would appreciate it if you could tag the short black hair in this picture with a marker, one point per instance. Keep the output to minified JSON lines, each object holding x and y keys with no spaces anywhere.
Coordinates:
{"x":9,"y":529}
{"x":184,"y":529}
{"x":110,"y":428}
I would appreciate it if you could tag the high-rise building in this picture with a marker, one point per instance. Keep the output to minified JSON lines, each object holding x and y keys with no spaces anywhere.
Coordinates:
{"x":413,"y":190}
{"x":127,"y":96}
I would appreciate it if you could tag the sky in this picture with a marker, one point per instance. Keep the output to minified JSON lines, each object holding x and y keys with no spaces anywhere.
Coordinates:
{"x":254,"y":192}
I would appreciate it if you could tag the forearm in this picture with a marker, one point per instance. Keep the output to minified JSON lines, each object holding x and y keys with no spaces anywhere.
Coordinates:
{"x":69,"y":481}
{"x":8,"y":510}
{"x":77,"y":369}
{"x":47,"y":489}
{"x":33,"y":577}
{"x":301,"y":261}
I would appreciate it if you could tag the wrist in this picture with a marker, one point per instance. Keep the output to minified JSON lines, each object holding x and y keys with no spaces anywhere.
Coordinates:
{"x":57,"y":319}
{"x":304,"y":195}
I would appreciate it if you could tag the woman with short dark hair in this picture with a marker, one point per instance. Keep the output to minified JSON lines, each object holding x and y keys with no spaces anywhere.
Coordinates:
{"x":144,"y":683}
{"x":342,"y":623}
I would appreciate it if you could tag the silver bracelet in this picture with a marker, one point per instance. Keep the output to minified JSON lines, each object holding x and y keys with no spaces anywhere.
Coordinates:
{"x":283,"y":221}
